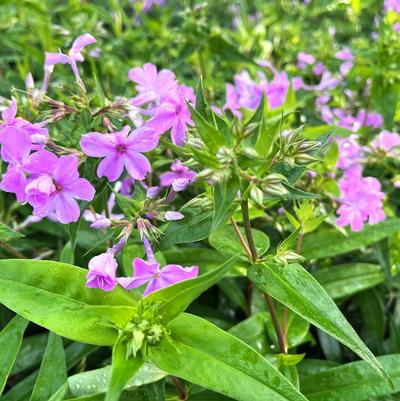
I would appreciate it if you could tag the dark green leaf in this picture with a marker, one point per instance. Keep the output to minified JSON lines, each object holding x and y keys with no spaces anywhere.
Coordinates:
{"x":347,"y":279}
{"x":207,"y":356}
{"x":354,"y":381}
{"x":330,"y":242}
{"x":295,"y":287}
{"x":53,"y":370}
{"x":10,"y":343}
{"x":6,"y":234}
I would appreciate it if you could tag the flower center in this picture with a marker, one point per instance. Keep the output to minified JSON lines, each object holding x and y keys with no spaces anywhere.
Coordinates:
{"x":178,"y":109}
{"x":58,"y":187}
{"x":121,"y":148}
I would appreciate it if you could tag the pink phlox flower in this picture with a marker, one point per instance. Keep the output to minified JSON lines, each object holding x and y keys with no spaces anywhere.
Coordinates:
{"x":100,"y":221}
{"x":249,"y":92}
{"x":156,"y":278}
{"x":179,"y":177}
{"x":37,"y":131}
{"x":150,"y":84}
{"x":304,"y":59}
{"x":171,"y":114}
{"x":388,"y":142}
{"x":55,"y":185}
{"x":277,"y":90}
{"x":328,"y":82}
{"x":361,"y":200}
{"x":102,"y":271}
{"x":350,"y":152}
{"x":344,"y":55}
{"x":232,"y":101}
{"x":392,"y":5}
{"x":120,"y":149}
{"x":74,"y":54}
{"x":148,"y":4}
{"x":319,"y":69}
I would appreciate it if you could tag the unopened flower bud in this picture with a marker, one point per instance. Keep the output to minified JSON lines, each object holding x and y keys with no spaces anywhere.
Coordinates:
{"x":225,"y":155}
{"x":152,"y":192}
{"x":257,"y":195}
{"x":172,"y":216}
{"x":274,"y":178}
{"x":275,"y":189}
{"x":304,"y":158}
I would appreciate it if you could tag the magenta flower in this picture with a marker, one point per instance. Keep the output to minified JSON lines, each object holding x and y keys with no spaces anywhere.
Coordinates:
{"x":150,"y":273}
{"x":232,"y":101}
{"x":277,"y":90}
{"x":304,"y":59}
{"x":151,"y":85}
{"x":388,"y":142}
{"x":350,"y":152}
{"x":67,"y":186}
{"x":172,"y":113}
{"x":74,"y":55}
{"x":319,"y":69}
{"x":361,"y":200}
{"x":249,"y":92}
{"x":392,"y":5}
{"x":16,"y":148}
{"x":120,"y":149}
{"x":179,"y":177}
{"x":102,"y":270}
{"x":148,"y":4}
{"x":37,"y":131}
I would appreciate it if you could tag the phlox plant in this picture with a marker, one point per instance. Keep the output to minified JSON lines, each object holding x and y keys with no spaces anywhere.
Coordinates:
{"x":211,"y":218}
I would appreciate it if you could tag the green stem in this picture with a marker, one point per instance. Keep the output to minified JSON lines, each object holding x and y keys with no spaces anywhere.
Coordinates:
{"x":247,"y":228}
{"x":12,"y":251}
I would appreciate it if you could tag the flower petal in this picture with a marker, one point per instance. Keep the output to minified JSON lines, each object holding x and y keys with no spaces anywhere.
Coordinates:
{"x":111,"y":167}
{"x":82,"y":41}
{"x":42,"y":162}
{"x":136,"y":164}
{"x":67,"y":208}
{"x":95,"y":144}
{"x":80,"y":189}
{"x":67,"y":170}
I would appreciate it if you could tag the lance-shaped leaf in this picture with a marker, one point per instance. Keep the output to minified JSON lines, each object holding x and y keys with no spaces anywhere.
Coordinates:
{"x":10,"y":343}
{"x":174,"y":299}
{"x":122,"y":369}
{"x":354,"y":381}
{"x":224,"y":196}
{"x":6,"y":234}
{"x":53,"y":295}
{"x":53,"y":370}
{"x":208,"y":356}
{"x":293,"y":286}
{"x":347,"y":279}
{"x":330,"y":242}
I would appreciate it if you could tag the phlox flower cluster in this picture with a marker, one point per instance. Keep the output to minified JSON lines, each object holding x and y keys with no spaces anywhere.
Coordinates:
{"x":50,"y":184}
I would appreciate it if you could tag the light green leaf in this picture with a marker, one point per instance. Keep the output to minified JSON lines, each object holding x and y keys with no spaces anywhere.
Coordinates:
{"x":54,"y":295}
{"x":122,"y":369}
{"x":299,"y":290}
{"x":53,"y":370}
{"x":347,"y":279}
{"x":208,"y":356}
{"x":330,"y":242}
{"x":96,"y":381}
{"x":10,"y":343}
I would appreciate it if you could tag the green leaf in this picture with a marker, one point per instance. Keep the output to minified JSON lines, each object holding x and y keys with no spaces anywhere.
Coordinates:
{"x":300,"y":291}
{"x":231,"y":289}
{"x":347,"y":279}
{"x":176,"y":298}
{"x":330,"y":242}
{"x":96,"y":381}
{"x":194,"y":227}
{"x":201,"y":105}
{"x":53,"y":370}
{"x":54,"y":295}
{"x":6,"y":234}
{"x":209,"y":357}
{"x":122,"y":369}
{"x":210,"y":135}
{"x":226,"y":242}
{"x":225,"y":50}
{"x":224,"y":196}
{"x":10,"y":343}
{"x":67,"y":254}
{"x":354,"y":381}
